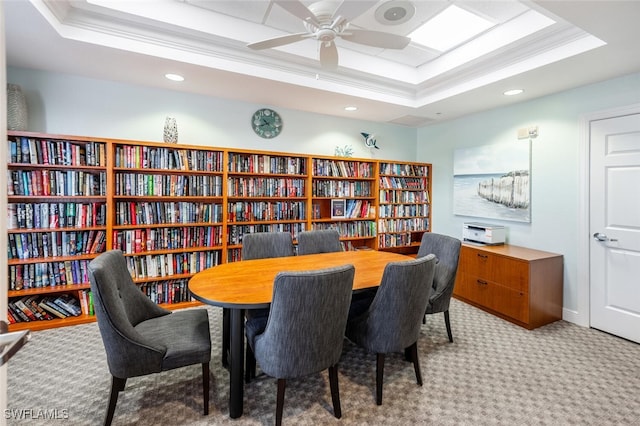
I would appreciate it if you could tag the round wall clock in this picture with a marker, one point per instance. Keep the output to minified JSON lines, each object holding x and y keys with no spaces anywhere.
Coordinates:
{"x":266,"y":123}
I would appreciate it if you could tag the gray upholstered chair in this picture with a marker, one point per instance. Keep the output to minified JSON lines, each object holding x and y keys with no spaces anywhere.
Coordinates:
{"x":304,"y":331}
{"x":259,"y":245}
{"x":447,"y":251}
{"x":393,"y":320}
{"x":139,"y":336}
{"x":319,"y":241}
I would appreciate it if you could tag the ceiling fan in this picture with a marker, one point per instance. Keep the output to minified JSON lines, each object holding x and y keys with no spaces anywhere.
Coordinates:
{"x":324,"y":22}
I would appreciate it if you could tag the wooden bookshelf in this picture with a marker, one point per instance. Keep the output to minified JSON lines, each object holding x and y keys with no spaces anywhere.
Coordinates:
{"x":177,"y":209}
{"x":343,"y":198}
{"x":404,"y":205}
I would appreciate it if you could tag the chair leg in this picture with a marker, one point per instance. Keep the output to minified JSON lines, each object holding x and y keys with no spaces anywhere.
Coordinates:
{"x":335,"y":390}
{"x":117,"y":385}
{"x":413,"y":350}
{"x":448,"y":324}
{"x":250,"y":365}
{"x":379,"y":377}
{"x":282,"y":384}
{"x":226,"y":336}
{"x":205,"y":387}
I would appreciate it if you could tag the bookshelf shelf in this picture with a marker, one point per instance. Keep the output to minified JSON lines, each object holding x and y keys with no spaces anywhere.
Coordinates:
{"x":177,"y":209}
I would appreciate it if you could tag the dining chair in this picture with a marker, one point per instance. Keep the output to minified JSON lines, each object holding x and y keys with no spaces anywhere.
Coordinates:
{"x":319,"y":241}
{"x":140,"y":337}
{"x":258,"y":245}
{"x":447,"y":251}
{"x":393,"y":320}
{"x":304,"y":331}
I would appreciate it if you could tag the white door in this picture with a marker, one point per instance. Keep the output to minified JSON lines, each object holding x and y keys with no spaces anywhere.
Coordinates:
{"x":615,"y":226}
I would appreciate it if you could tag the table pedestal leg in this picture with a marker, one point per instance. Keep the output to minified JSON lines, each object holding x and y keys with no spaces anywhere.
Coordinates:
{"x":236,"y":361}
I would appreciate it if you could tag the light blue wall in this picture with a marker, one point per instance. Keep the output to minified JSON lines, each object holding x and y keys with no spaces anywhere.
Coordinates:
{"x":67,"y":104}
{"x":73,"y":105}
{"x":554,"y":172}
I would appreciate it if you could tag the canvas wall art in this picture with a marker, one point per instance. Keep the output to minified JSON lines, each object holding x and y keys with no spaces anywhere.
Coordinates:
{"x":493,"y":181}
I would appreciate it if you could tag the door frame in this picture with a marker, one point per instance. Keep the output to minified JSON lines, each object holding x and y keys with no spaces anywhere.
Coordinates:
{"x":581,"y":315}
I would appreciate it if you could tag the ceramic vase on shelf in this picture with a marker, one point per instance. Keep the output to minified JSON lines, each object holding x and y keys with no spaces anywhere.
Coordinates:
{"x":170,"y":130}
{"x":16,"y":108}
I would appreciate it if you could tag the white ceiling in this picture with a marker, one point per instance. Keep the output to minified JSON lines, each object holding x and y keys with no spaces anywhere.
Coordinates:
{"x":138,"y":41}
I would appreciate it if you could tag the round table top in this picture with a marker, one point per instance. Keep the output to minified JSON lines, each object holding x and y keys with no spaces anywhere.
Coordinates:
{"x":248,"y":284}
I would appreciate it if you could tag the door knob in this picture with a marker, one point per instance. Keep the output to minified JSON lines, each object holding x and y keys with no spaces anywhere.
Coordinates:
{"x":602,"y":237}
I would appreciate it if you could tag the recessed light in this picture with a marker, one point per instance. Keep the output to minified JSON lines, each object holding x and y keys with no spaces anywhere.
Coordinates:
{"x":174,"y":77}
{"x":350,"y":108}
{"x":513,"y":92}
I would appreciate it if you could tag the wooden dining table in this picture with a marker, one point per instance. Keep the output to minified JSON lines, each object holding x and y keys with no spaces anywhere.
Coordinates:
{"x":248,"y":284}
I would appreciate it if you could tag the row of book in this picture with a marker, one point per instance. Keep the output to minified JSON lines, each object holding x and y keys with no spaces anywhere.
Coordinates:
{"x":171,"y":291}
{"x":395,"y":240}
{"x":403,"y":225}
{"x":168,"y":264}
{"x":265,"y":187}
{"x":356,"y":229}
{"x":56,"y":182}
{"x":263,"y":163}
{"x":410,"y":197}
{"x":357,"y":209}
{"x":162,"y":185}
{"x":149,"y":157}
{"x":342,"y":168}
{"x":236,"y":232}
{"x":152,"y":239}
{"x":55,"y":215}
{"x":245,"y":211}
{"x":56,"y":152}
{"x":404,"y":183}
{"x":341,"y":188}
{"x":48,"y":307}
{"x":403,"y":210}
{"x":48,"y":274}
{"x":157,"y":213}
{"x":35,"y":245}
{"x":403,"y":169}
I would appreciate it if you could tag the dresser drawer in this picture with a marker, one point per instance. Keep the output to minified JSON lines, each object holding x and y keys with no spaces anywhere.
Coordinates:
{"x":494,"y":296}
{"x":508,"y":272}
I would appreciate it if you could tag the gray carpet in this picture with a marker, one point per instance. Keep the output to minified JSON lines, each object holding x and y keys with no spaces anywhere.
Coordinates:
{"x":495,"y":373}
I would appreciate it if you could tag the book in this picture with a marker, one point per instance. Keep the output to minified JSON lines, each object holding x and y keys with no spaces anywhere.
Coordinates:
{"x":47,"y":304}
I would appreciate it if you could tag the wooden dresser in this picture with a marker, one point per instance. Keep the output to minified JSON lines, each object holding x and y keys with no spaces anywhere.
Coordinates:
{"x":518,"y":284}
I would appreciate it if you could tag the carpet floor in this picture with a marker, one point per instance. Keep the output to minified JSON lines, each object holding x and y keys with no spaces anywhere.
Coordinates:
{"x":495,"y":373}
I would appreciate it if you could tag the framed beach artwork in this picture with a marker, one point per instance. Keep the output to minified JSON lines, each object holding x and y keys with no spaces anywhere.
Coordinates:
{"x":493,"y":181}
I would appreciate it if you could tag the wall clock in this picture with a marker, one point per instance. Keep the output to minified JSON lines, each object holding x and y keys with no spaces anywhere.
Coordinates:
{"x":266,"y":123}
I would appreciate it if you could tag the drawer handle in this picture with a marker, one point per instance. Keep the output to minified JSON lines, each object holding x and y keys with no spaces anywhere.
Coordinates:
{"x":483,"y":256}
{"x":482,"y":282}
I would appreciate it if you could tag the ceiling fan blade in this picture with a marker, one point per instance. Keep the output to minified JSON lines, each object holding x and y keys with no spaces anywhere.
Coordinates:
{"x":296,"y":8}
{"x":278,"y":41}
{"x":350,"y":10}
{"x":328,"y":55}
{"x":376,"y":39}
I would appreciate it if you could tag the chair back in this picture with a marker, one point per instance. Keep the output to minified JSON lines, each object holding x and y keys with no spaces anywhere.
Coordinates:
{"x":120,"y":306}
{"x":320,"y":241}
{"x":394,"y":318}
{"x":307,"y":321}
{"x":447,"y":251}
{"x":262,"y":245}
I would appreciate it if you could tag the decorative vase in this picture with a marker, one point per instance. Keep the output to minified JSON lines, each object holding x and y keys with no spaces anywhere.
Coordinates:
{"x":170,"y":130}
{"x":16,"y":108}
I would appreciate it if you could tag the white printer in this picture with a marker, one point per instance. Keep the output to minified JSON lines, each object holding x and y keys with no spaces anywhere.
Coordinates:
{"x":483,"y":233}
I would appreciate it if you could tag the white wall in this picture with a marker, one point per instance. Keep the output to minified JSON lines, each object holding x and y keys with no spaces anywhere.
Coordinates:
{"x":73,"y":105}
{"x":554,"y":172}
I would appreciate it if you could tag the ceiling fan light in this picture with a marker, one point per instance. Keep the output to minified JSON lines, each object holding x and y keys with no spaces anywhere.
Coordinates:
{"x":395,"y":12}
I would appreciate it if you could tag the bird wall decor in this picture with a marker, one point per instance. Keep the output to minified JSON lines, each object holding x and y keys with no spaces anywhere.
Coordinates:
{"x":369,"y":140}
